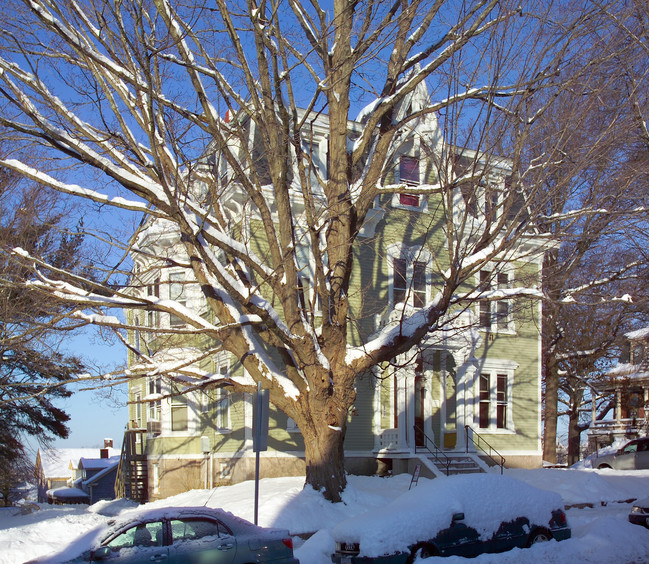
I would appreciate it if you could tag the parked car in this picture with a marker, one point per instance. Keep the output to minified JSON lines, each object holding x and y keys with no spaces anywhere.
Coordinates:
{"x":632,"y":456}
{"x":640,"y":512}
{"x":189,"y":535}
{"x":455,"y":516}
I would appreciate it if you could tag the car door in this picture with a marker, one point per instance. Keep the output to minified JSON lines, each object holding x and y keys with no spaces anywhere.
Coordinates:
{"x":138,"y":544}
{"x":199,"y":540}
{"x":458,"y":539}
{"x":642,"y":456}
{"x":625,"y":459}
{"x":509,"y":535}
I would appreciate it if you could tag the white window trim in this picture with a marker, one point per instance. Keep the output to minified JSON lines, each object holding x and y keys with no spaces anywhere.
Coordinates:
{"x":410,"y":254}
{"x":511,"y":325}
{"x":493,"y":367}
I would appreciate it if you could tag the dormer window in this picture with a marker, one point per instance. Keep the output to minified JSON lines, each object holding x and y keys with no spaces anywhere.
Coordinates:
{"x":409,"y":170}
{"x":409,"y":174}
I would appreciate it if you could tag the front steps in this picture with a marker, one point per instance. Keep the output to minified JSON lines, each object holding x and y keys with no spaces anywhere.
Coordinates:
{"x":451,"y":463}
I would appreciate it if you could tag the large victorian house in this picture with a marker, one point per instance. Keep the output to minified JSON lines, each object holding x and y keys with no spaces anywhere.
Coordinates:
{"x":472,"y":388}
{"x":628,"y":383}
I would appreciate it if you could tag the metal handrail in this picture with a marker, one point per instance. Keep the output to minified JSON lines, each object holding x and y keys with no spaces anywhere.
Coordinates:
{"x":487,"y":453}
{"x":435,"y":450}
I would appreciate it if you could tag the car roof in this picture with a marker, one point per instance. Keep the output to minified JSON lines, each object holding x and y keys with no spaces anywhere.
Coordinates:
{"x":146,"y":515}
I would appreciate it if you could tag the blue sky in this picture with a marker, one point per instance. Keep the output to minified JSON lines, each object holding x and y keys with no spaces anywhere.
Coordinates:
{"x":99,"y":414}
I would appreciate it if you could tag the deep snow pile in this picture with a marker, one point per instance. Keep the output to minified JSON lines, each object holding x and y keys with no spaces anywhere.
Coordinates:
{"x":486,"y":500}
{"x":601,"y":534}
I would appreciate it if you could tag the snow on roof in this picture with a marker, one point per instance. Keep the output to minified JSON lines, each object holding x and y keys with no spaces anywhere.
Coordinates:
{"x":486,"y":500}
{"x":638,"y":334}
{"x":101,"y":474}
{"x":61,"y":493}
{"x":98,"y":463}
{"x":58,"y":462}
{"x":627,"y":370}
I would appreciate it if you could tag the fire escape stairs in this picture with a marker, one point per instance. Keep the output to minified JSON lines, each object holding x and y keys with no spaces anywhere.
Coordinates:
{"x":132,"y":477}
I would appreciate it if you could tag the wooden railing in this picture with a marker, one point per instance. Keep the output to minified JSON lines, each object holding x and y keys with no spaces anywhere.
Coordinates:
{"x":481,"y":444}
{"x":434,"y":450}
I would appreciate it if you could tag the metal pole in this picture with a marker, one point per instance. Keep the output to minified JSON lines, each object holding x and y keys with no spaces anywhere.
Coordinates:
{"x":257,"y":431}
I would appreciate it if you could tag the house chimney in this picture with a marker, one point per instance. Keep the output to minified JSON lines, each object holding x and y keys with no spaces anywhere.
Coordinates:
{"x":108,"y":443}
{"x":103,"y":453}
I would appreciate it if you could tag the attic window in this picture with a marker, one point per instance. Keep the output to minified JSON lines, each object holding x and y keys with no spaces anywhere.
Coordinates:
{"x":409,"y":174}
{"x":409,"y":170}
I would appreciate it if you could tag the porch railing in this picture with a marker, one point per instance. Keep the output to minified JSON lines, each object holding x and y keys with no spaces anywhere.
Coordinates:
{"x":440,"y":458}
{"x":481,"y":444}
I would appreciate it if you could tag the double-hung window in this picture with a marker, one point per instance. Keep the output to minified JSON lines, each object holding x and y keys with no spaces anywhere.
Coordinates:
{"x":409,"y":275}
{"x":153,"y":291}
{"x":155,"y":404}
{"x":218,"y":400}
{"x":494,"y":395}
{"x":177,"y":294}
{"x":495,"y":314}
{"x":409,"y":282}
{"x":309,"y":297}
{"x":179,"y":411}
{"x":493,"y":400}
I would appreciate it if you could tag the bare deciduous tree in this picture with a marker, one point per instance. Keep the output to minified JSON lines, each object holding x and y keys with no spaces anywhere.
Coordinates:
{"x":129,"y":100}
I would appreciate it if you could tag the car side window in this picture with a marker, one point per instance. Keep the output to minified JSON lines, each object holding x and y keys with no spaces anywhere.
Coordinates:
{"x":141,"y":535}
{"x":630,"y":448}
{"x":197,"y":528}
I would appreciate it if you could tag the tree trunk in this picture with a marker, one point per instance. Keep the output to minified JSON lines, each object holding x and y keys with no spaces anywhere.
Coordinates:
{"x":550,"y":414}
{"x":574,"y":437}
{"x":324,"y":453}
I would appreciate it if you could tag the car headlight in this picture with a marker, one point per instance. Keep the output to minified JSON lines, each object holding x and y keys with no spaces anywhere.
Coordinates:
{"x":637,"y":509}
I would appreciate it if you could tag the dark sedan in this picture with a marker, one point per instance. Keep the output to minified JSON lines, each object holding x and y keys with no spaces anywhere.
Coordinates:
{"x":640,"y":512}
{"x":526,"y":516}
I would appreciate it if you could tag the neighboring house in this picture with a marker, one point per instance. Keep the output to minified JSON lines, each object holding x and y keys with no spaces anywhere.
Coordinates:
{"x":77,"y":475}
{"x":479,"y":379}
{"x":629,"y":382}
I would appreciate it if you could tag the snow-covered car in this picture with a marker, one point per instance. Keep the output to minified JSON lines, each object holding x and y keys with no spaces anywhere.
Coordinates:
{"x":632,"y":456}
{"x":640,"y":512}
{"x":188,"y":535}
{"x":459,"y":515}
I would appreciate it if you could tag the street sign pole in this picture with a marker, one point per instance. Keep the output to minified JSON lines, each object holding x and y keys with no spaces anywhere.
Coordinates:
{"x":260,"y":407}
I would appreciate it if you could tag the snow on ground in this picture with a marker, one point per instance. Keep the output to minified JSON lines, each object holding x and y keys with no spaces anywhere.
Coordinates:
{"x":600,"y":534}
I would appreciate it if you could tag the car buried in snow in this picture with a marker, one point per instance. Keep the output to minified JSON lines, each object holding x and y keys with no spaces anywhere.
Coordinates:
{"x":455,"y":516}
{"x":639,"y":514}
{"x":188,"y":535}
